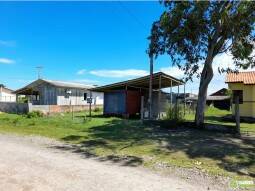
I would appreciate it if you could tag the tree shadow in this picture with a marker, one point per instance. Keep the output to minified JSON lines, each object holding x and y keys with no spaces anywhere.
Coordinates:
{"x":230,"y":153}
{"x":85,"y":149}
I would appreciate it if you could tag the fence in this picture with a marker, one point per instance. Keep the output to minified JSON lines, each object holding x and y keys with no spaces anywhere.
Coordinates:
{"x":48,"y":109}
{"x":13,"y":107}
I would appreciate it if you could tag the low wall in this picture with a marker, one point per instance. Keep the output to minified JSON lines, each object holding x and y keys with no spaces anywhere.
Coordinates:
{"x":13,"y":107}
{"x":21,"y":108}
{"x":48,"y":109}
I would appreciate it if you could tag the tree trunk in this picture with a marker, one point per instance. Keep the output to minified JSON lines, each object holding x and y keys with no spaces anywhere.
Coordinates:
{"x":206,"y":77}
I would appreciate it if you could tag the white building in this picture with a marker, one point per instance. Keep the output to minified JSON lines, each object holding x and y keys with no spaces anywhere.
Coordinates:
{"x":6,"y":94}
{"x":49,"y":92}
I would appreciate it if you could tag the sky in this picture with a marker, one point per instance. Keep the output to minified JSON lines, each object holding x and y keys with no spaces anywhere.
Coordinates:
{"x":87,"y":42}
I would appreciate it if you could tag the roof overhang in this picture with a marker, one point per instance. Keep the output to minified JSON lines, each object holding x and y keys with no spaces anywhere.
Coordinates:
{"x":210,"y":98}
{"x":160,"y":80}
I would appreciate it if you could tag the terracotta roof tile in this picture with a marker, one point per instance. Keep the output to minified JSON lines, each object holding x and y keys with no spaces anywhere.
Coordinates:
{"x":242,"y":77}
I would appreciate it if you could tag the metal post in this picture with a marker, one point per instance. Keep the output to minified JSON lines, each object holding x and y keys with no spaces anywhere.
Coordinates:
{"x":184,"y":98}
{"x":171,"y":95}
{"x":159,"y":97}
{"x":150,"y":87}
{"x":90,"y":95}
{"x":177,"y":103}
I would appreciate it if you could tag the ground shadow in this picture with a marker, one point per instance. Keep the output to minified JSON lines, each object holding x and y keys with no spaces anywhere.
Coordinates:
{"x":86,"y":150}
{"x":231,"y":153}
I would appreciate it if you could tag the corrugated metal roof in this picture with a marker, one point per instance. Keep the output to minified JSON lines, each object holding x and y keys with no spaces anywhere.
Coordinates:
{"x":4,"y":87}
{"x":54,"y":83}
{"x":68,"y":84}
{"x":241,"y":77}
{"x":143,"y":82}
{"x":210,"y":98}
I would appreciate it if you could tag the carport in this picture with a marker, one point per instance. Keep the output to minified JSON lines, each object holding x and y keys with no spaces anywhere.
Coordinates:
{"x":131,"y":97}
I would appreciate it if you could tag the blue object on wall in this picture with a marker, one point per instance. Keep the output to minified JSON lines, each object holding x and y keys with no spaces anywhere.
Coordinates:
{"x":115,"y":102}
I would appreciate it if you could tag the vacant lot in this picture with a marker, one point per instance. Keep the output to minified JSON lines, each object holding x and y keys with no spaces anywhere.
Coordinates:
{"x":163,"y":147}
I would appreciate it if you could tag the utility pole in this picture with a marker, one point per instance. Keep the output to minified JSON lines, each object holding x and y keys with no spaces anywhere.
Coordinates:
{"x":150,"y":87}
{"x":39,"y":69}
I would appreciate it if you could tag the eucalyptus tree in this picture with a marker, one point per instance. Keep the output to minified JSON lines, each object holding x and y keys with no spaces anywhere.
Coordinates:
{"x":193,"y":33}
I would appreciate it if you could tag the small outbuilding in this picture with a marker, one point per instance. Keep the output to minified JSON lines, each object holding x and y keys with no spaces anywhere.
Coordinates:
{"x":131,"y":97}
{"x":242,"y":84}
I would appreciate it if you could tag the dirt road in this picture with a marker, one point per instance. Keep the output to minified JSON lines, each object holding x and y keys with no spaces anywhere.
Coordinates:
{"x":30,"y":163}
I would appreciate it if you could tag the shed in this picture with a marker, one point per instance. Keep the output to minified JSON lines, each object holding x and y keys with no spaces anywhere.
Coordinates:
{"x":131,"y":96}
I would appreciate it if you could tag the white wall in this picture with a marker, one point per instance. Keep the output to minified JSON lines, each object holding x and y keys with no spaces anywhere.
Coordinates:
{"x":98,"y":98}
{"x":77,"y":97}
{"x":7,"y":97}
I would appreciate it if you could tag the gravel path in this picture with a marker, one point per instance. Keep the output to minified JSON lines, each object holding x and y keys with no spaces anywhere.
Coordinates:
{"x":30,"y":163}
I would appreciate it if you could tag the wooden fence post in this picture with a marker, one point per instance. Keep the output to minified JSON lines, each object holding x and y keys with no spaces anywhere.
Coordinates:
{"x":237,"y":114}
{"x":142,"y":107}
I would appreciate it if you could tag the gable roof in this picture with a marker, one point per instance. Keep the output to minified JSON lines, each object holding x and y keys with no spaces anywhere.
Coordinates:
{"x":247,"y":78}
{"x":221,"y":92}
{"x":54,"y":83}
{"x":68,"y":84}
{"x":4,"y":88}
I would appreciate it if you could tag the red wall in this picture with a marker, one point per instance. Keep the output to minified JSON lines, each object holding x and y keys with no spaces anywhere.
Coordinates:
{"x":133,"y":101}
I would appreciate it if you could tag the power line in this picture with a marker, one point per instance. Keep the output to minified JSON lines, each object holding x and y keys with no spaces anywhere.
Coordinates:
{"x":131,"y":14}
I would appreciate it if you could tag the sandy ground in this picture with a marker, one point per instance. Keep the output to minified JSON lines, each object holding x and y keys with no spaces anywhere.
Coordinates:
{"x":31,"y":163}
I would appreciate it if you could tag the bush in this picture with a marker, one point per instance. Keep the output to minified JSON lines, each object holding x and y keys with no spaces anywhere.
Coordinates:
{"x":175,"y":112}
{"x":97,"y":109}
{"x":34,"y":114}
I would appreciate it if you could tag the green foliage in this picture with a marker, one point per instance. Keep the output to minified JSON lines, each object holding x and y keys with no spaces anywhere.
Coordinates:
{"x":22,"y":100}
{"x":97,"y":109}
{"x":192,"y":32}
{"x":175,"y":112}
{"x":34,"y":114}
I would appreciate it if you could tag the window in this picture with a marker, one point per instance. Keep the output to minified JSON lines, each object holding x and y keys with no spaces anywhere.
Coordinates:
{"x":238,"y":93}
{"x":85,"y":96}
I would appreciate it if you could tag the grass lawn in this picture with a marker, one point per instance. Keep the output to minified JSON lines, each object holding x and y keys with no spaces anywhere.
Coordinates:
{"x":136,"y":144}
{"x":214,"y":116}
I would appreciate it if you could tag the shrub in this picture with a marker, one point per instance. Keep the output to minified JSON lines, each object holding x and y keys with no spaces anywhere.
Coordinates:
{"x":97,"y":109}
{"x":175,"y":112}
{"x":34,"y":114}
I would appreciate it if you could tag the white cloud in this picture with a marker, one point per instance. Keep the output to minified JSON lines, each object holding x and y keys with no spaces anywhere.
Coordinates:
{"x":81,"y":72}
{"x":173,"y":71}
{"x":9,"y":43}
{"x":89,"y":81}
{"x":119,"y":73}
{"x":6,"y":61}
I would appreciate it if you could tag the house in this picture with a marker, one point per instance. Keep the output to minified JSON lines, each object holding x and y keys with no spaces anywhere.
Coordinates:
{"x":221,"y":92}
{"x":242,"y":85}
{"x":131,"y":97}
{"x":49,"y":92}
{"x":219,"y":99}
{"x":6,"y":94}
